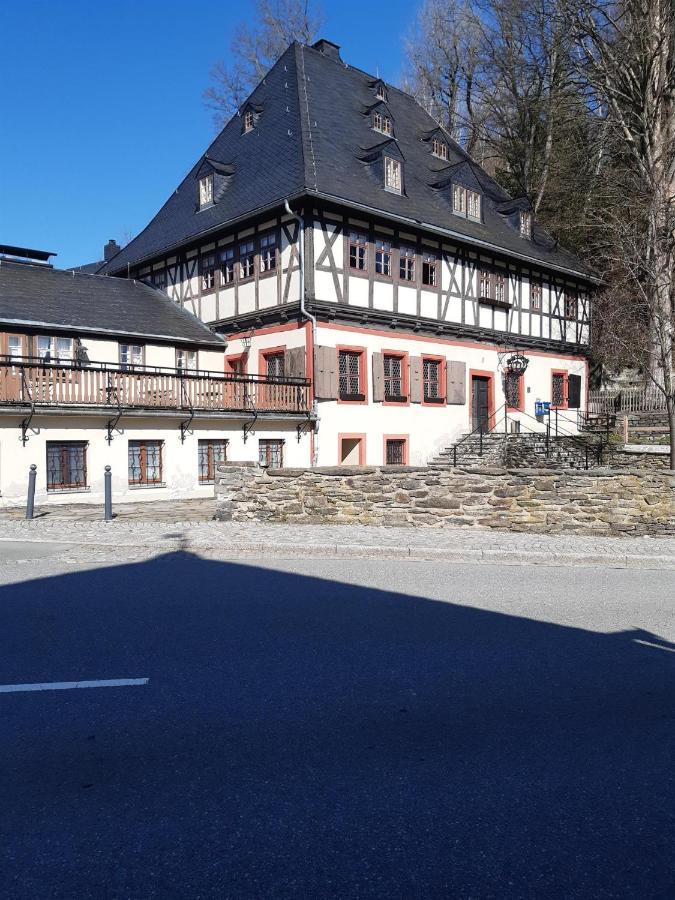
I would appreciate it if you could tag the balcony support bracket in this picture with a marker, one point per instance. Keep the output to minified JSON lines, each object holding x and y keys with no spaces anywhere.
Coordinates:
{"x":185,"y":426}
{"x":248,"y":426}
{"x":25,"y":425}
{"x":304,"y":426}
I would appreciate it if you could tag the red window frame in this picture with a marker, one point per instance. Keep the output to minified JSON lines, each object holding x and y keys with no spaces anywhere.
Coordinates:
{"x":361,"y":442}
{"x":564,"y":373}
{"x":403,"y":399}
{"x":405,"y":439}
{"x":441,"y":399}
{"x":362,"y":396}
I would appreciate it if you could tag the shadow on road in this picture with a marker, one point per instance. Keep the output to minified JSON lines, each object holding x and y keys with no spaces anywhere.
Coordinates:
{"x":307,"y":738}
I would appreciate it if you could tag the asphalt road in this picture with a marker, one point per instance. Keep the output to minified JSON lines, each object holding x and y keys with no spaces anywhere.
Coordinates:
{"x":346,"y":729}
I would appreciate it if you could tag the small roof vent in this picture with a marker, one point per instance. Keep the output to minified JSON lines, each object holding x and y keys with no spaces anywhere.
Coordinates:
{"x":328,"y":48}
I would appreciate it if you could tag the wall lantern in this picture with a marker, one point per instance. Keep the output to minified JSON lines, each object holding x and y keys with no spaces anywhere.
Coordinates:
{"x":517,"y":364}
{"x":246,"y":343}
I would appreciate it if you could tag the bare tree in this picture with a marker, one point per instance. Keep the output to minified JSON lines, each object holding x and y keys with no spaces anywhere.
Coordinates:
{"x":255,"y":48}
{"x":626,"y":57}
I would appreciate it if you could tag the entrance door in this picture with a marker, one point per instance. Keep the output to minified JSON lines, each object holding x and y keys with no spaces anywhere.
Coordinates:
{"x":480,"y":401}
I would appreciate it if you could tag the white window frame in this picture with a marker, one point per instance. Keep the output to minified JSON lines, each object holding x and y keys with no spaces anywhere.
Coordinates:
{"x":249,"y":121}
{"x":393,"y":175}
{"x":206,"y":191}
{"x":130,"y":356}
{"x":186,"y":360}
{"x":525,"y":224}
{"x":459,"y":200}
{"x":439,"y":148}
{"x":60,"y":349}
{"x":473,"y":205}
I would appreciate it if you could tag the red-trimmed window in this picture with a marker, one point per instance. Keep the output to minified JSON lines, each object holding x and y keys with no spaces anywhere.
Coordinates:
{"x":559,"y":389}
{"x":432,"y":380}
{"x":395,"y":451}
{"x":358,"y":251}
{"x":350,"y":375}
{"x":275,"y":364}
{"x":394,"y":378}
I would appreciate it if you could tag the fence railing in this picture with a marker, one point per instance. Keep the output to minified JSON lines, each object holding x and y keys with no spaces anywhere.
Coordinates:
{"x":630,"y":400}
{"x":29,"y":382}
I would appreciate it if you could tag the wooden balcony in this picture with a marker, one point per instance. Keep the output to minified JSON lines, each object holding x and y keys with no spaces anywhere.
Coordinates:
{"x":38,"y":384}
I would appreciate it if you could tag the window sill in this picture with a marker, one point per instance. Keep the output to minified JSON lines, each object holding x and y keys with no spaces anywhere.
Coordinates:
{"x":498,"y":304}
{"x":75,"y":490}
{"x":396,"y":399}
{"x":434,"y":401}
{"x":352,"y":398}
{"x":268,"y":273}
{"x":145,"y":487}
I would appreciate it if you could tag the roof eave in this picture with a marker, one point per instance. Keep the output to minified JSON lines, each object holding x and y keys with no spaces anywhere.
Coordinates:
{"x":215,"y":342}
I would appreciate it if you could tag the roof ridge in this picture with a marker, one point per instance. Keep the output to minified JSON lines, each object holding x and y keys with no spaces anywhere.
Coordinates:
{"x":302,"y":48}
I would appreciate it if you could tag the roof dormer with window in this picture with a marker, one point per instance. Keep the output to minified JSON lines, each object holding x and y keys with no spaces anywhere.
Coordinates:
{"x":213,"y":178}
{"x":380,"y":89}
{"x":250,"y":115}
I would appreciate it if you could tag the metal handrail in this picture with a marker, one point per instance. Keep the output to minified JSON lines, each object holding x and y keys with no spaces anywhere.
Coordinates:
{"x":480,"y":430}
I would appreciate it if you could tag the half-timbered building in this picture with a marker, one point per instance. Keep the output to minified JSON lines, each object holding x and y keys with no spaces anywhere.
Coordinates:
{"x":333,"y":230}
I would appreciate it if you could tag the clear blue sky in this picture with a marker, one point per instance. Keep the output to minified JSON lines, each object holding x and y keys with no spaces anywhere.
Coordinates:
{"x":102,"y":110}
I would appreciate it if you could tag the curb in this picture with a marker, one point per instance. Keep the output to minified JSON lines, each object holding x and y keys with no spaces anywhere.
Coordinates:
{"x":372,"y":551}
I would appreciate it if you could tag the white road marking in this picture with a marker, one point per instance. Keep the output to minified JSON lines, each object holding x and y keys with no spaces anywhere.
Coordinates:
{"x":68,"y":685}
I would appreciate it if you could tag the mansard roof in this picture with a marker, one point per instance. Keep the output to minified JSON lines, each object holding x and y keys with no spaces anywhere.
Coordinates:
{"x":35,"y":296}
{"x":310,"y":139}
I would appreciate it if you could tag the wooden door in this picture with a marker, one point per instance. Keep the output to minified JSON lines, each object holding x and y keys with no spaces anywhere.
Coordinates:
{"x":480,"y":400}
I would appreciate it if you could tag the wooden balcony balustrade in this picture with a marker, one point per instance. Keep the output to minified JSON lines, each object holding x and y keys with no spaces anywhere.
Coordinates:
{"x":28,"y":382}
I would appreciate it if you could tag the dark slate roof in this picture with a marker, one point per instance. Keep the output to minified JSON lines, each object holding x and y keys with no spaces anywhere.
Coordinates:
{"x":52,"y":298}
{"x":313,"y":136}
{"x":88,"y":268}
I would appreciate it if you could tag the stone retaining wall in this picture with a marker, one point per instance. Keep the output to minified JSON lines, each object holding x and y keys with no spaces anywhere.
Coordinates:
{"x":601,"y":501}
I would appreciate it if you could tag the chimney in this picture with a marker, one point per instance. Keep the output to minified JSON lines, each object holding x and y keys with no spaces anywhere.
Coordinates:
{"x":328,"y":48}
{"x":110,"y":249}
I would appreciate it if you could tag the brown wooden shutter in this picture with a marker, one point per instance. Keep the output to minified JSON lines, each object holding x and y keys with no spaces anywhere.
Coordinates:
{"x":456,"y":382}
{"x":326,"y":373}
{"x":378,"y":377}
{"x":294,"y":362}
{"x":415,"y":379}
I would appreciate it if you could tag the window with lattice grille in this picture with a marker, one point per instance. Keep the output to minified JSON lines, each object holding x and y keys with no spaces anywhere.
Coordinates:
{"x":349,"y":373}
{"x":512,"y":389}
{"x":271,"y":452}
{"x":431,"y":377}
{"x":557,"y":389}
{"x":145,"y":462}
{"x":395,"y":451}
{"x":210,"y":452}
{"x":393,"y":377}
{"x":275,"y":365}
{"x":66,"y":465}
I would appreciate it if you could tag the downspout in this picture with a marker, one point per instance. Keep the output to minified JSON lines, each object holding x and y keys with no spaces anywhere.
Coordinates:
{"x":309,"y":316}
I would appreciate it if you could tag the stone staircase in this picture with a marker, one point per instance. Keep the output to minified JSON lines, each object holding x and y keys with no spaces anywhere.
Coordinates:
{"x":520,"y":451}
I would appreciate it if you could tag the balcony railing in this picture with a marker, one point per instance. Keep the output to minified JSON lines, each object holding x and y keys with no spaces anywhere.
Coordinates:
{"x":28,"y":382}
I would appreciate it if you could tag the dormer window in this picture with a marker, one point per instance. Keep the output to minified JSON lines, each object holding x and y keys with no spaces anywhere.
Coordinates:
{"x":249,"y":121}
{"x":525,"y":224}
{"x":393,"y":175}
{"x":473,"y":205}
{"x":439,"y":148}
{"x":383,"y":123}
{"x":206,"y":191}
{"x":381,"y":91}
{"x":459,"y":200}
